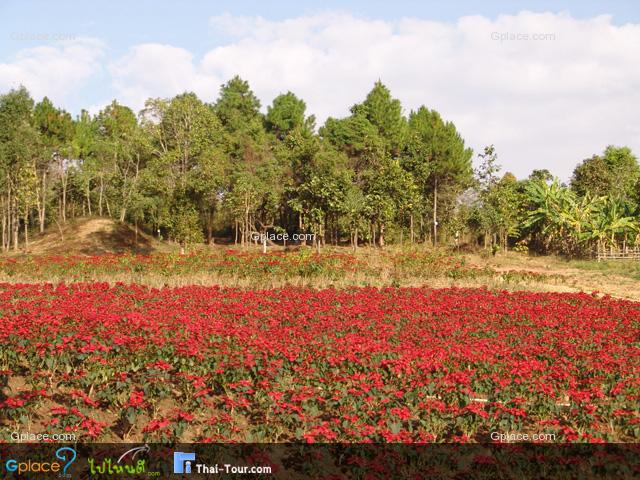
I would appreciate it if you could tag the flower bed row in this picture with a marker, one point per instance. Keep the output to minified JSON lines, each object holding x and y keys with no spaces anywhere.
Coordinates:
{"x":361,"y":364}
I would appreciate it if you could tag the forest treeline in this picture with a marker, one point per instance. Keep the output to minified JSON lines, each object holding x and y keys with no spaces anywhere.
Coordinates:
{"x":189,"y":171}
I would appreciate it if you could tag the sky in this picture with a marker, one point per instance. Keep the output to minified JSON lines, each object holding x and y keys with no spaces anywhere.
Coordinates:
{"x":549,"y":83}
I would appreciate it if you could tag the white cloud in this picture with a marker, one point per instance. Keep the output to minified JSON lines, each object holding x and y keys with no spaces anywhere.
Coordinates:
{"x":156,"y":70}
{"x":547,"y":89}
{"x":56,"y":70}
{"x":548,"y":92}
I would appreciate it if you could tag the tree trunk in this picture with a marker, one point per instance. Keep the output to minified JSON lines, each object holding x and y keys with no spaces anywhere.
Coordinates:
{"x":411,"y":227}
{"x":59,"y":230}
{"x":16,"y":225}
{"x":26,"y":230}
{"x":435,"y":211}
{"x":63,"y":175}
{"x":322,"y":227}
{"x":42,"y":202}
{"x":301,"y":229}
{"x":245,"y":229}
{"x":4,"y":221}
{"x":209,"y":232}
{"x":381,"y":236}
{"x":88,"y":199}
{"x":5,"y":225}
{"x":100,"y":195}
{"x":235,"y":242}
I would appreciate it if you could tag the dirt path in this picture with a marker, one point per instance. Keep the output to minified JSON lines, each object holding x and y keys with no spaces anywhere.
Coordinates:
{"x":575,"y":279}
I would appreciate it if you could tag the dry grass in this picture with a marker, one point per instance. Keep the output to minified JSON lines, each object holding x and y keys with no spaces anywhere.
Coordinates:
{"x":93,"y":236}
{"x":99,"y":236}
{"x":617,"y":279}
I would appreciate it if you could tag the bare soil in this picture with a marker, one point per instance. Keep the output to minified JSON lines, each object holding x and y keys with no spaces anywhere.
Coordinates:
{"x":574,"y":279}
{"x":93,"y":236}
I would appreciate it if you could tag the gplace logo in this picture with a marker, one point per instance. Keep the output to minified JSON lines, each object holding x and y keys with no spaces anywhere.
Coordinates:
{"x":182,"y":462}
{"x":66,"y":454}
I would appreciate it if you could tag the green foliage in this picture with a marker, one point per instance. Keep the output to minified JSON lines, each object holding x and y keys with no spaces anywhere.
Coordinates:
{"x":499,"y":210}
{"x":562,"y":222}
{"x":239,"y":112}
{"x":188,"y":165}
{"x":19,"y":149}
{"x":286,"y":114}
{"x":55,"y":126}
{"x":188,"y":171}
{"x":436,"y":150}
{"x":385,"y":113}
{"x":439,"y":163}
{"x":185,"y":224}
{"x":615,"y":173}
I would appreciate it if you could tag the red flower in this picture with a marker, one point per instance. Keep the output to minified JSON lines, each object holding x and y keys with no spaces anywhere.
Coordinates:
{"x":136,"y":399}
{"x":155,"y":425}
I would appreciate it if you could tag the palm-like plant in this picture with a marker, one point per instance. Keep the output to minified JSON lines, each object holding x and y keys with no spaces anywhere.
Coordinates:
{"x":568,"y":223}
{"x":552,"y":217}
{"x":612,"y":221}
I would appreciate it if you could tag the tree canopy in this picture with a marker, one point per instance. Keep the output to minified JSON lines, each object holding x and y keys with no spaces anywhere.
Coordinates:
{"x":190,"y":171}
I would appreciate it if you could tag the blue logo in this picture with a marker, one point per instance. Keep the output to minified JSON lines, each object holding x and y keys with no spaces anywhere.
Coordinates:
{"x":66,"y":458}
{"x":182,"y":462}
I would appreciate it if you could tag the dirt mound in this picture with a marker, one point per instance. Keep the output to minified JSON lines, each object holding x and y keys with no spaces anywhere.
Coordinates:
{"x":93,"y":236}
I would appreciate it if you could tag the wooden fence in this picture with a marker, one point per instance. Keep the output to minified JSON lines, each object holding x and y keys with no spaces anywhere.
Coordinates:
{"x":618,"y":254}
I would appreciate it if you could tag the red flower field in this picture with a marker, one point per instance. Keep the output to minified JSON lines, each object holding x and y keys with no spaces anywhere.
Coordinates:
{"x":128,"y":362}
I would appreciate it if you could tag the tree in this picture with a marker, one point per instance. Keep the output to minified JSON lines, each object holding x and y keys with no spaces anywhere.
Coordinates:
{"x":615,"y":173}
{"x":385,"y":113}
{"x":239,"y":112}
{"x":256,"y":186}
{"x":438,"y":159}
{"x":373,"y":137}
{"x":18,"y":152}
{"x":253,"y":197}
{"x":498,"y":210}
{"x":123,"y":149}
{"x":185,"y":223}
{"x":487,"y":172}
{"x":55,"y":128}
{"x":359,"y":140}
{"x":84,"y":148}
{"x":320,"y":193}
{"x":187,"y":143}
{"x":543,"y":175}
{"x":505,"y":199}
{"x":286,"y":114}
{"x":610,"y":224}
{"x":188,"y":170}
{"x":558,"y":221}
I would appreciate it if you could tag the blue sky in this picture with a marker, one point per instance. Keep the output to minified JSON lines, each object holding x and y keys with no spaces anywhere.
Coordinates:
{"x":184,"y":23}
{"x":547,"y":101}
